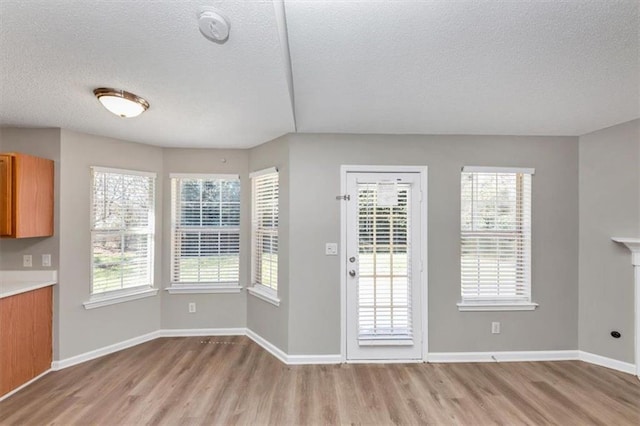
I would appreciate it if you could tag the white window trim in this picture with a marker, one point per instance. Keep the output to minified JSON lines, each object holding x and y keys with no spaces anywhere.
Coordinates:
{"x":261,"y":291}
{"x":262,"y":172}
{"x":484,"y":169}
{"x":203,"y":176}
{"x":123,"y":295}
{"x":204,"y":288}
{"x":114,"y":297}
{"x":490,"y":306}
{"x":124,"y":171}
{"x":498,"y":305}
{"x":264,"y":293}
{"x":181,"y":287}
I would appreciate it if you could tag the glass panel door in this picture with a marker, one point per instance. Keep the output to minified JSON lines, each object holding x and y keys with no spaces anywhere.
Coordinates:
{"x":383,"y":266}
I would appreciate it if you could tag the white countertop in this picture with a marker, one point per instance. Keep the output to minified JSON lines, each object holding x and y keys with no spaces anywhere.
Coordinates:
{"x":16,"y":282}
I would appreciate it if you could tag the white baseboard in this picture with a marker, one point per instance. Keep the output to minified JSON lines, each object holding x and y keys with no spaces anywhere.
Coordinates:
{"x":602,"y":361}
{"x":502,"y":356}
{"x":106,"y":350}
{"x":97,"y":353}
{"x":268,"y":346}
{"x":434,"y":357}
{"x":313,"y":359}
{"x":384,"y":361}
{"x":24,"y":385}
{"x":524,"y":356}
{"x":191,"y":332}
{"x":292,"y":359}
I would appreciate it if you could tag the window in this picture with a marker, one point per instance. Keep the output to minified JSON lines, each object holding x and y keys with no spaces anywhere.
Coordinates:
{"x":264,"y":234}
{"x":205,"y":232}
{"x":496,"y":239}
{"x":122,"y":231}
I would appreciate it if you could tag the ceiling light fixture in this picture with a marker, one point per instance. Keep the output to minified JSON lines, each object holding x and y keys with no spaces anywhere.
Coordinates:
{"x":121,"y":103}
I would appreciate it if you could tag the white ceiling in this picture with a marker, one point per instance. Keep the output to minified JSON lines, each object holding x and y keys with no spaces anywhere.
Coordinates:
{"x":465,"y":67}
{"x":432,"y":67}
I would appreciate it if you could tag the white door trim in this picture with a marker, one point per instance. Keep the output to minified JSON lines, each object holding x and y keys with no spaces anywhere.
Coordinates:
{"x":423,"y":171}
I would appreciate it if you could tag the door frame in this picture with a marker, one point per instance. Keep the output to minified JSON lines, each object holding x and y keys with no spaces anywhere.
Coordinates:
{"x":424,"y":301}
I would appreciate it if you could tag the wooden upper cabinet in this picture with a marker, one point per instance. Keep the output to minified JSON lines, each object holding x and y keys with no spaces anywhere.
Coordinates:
{"x":26,"y":194}
{"x":5,"y":194}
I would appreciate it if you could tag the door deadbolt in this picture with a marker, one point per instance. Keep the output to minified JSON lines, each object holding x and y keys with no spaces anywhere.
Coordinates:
{"x":352,"y":259}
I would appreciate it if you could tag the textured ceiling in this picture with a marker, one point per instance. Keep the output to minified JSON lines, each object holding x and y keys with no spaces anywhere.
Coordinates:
{"x":54,"y":53}
{"x":465,"y":67}
{"x":433,"y":67}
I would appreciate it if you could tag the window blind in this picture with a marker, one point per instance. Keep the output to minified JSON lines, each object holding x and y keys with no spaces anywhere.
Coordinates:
{"x":265,"y":188}
{"x":496,"y":235}
{"x":384,"y":261}
{"x":122,"y":229}
{"x":205,"y":229}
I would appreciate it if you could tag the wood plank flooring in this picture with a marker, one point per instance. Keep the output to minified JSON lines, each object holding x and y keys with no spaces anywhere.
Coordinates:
{"x":231,"y":380}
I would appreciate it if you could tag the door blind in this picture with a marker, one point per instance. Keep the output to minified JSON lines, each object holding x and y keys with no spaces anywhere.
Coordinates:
{"x":496,"y":236}
{"x":384,"y":261}
{"x":122,"y":229}
{"x":205,"y":230}
{"x":265,"y":229}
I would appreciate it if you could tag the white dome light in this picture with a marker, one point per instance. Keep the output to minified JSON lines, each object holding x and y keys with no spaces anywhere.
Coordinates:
{"x":121,"y":103}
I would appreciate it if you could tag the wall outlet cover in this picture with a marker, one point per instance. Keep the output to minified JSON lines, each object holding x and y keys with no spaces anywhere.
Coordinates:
{"x":27,"y":261}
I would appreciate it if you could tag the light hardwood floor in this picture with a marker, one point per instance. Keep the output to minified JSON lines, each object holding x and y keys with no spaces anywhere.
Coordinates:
{"x":231,"y":380}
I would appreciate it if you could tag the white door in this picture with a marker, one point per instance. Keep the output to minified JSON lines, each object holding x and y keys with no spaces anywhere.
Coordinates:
{"x":383,"y":266}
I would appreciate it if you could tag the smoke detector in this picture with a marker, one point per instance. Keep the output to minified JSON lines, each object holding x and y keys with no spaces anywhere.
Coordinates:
{"x":213,"y":25}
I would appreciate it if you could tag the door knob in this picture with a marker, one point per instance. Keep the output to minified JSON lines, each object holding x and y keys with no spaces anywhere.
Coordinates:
{"x":352,"y":273}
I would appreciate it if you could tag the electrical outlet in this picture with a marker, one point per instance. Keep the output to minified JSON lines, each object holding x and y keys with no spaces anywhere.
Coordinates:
{"x":192,"y":307}
{"x":27,"y":261}
{"x":495,"y":327}
{"x":46,"y":260}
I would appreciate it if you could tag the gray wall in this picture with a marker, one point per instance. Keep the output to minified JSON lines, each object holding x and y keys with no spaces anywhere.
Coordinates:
{"x":314,"y":299}
{"x":213,"y":310}
{"x":84,"y":330}
{"x":603,"y":168}
{"x":42,"y":143}
{"x":609,"y":207}
{"x":269,"y":321}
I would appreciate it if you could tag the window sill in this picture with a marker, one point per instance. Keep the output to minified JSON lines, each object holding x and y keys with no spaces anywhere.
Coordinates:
{"x":496,"y":306}
{"x":385,"y":342}
{"x":265,"y":294}
{"x":203,"y":289}
{"x":100,"y":301}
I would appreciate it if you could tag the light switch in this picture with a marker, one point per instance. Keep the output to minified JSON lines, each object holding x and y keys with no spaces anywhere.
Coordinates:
{"x":331,"y":249}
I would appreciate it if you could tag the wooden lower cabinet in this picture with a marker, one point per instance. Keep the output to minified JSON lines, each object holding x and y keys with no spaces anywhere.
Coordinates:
{"x":25,"y":337}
